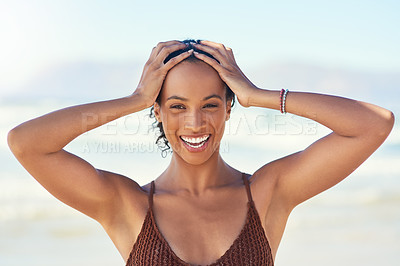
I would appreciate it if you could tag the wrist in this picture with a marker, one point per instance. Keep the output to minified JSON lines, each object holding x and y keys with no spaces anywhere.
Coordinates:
{"x":141,"y":100}
{"x":264,"y":98}
{"x":254,"y":98}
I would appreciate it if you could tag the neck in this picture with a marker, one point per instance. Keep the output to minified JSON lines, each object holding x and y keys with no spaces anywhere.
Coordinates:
{"x":196,"y":179}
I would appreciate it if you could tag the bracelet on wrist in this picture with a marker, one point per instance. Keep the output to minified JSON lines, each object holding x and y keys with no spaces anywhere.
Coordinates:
{"x":282,"y":103}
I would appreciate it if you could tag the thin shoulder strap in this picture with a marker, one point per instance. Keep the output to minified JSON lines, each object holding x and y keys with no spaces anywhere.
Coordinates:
{"x":151,"y":195}
{"x":246,"y":183}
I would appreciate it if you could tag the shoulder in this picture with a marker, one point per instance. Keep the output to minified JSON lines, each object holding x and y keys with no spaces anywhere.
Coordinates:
{"x":270,"y":174}
{"x":129,"y":197}
{"x":123,"y":183}
{"x":265,"y":177}
{"x":264,"y":186}
{"x":124,"y":220}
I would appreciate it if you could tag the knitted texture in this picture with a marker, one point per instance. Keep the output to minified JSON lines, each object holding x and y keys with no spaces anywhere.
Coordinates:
{"x":251,"y":247}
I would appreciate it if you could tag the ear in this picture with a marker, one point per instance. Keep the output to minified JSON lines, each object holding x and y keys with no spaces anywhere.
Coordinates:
{"x":157,"y":112}
{"x":228,"y":109}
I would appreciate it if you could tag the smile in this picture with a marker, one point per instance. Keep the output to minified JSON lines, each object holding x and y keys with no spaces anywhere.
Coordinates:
{"x":195,"y":144}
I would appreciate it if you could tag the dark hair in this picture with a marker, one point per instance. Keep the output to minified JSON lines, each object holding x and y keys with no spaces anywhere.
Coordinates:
{"x":162,"y":140}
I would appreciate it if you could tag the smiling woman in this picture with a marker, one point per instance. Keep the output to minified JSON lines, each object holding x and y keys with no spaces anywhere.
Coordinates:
{"x":193,"y":78}
{"x":200,"y":210}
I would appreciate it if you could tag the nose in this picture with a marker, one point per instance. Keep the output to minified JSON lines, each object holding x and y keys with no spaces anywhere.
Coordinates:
{"x":194,"y":121}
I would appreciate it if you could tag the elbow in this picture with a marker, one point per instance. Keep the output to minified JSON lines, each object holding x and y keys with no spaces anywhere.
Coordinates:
{"x":387,"y":123}
{"x":15,"y":142}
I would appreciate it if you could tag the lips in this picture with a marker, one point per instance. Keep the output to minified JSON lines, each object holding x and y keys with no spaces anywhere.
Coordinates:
{"x":197,"y":143}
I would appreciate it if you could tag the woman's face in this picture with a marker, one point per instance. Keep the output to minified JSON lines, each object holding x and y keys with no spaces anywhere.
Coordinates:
{"x":193,"y":110}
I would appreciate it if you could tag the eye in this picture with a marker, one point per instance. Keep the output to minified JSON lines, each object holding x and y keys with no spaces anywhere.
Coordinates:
{"x":210,"y":105}
{"x":177,"y":106}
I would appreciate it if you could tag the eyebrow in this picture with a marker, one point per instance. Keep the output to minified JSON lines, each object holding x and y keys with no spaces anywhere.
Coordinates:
{"x":185,"y":99}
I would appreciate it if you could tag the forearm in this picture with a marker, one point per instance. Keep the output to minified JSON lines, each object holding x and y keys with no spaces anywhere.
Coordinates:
{"x":344,"y":116}
{"x":51,"y":132}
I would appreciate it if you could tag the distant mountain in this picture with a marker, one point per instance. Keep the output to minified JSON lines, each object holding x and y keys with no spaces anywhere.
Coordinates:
{"x":90,"y":81}
{"x":377,"y":87}
{"x":84,"y":81}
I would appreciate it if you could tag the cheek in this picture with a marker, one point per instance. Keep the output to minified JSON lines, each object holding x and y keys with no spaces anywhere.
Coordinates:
{"x":170,"y":124}
{"x":217,"y":121}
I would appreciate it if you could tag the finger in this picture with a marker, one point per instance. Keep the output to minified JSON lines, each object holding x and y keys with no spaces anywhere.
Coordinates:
{"x":167,"y":50}
{"x":230,"y":52}
{"x":209,"y":60}
{"x":175,"y":60}
{"x":218,"y":46}
{"x":156,"y":49}
{"x":212,"y":51}
{"x":227,"y":51}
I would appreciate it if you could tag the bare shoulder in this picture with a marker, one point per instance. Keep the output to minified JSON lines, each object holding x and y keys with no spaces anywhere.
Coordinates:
{"x":263,"y":182}
{"x":125,"y":219}
{"x":123,"y":182}
{"x":267,"y":180}
{"x":130,"y":199}
{"x":268,"y":199}
{"x":273,"y":209}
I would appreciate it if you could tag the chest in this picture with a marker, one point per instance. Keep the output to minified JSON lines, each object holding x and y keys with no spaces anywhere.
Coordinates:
{"x":203,"y":234}
{"x":197,"y":232}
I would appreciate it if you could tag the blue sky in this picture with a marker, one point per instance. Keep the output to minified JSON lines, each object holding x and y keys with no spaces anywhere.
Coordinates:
{"x":39,"y":34}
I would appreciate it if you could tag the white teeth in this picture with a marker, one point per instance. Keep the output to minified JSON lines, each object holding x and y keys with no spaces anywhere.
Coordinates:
{"x":195,"y":146}
{"x":195,"y":140}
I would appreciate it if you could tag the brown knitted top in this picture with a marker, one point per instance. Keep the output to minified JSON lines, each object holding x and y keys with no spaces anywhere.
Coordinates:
{"x":251,"y":247}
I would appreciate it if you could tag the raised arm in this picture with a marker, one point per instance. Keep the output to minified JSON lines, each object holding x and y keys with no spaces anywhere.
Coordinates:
{"x":359,"y":128}
{"x":38,"y":144}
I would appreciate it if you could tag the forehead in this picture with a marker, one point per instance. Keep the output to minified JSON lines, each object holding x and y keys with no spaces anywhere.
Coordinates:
{"x":192,"y":80}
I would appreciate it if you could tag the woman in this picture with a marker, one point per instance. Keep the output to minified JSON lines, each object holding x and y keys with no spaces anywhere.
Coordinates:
{"x":200,"y":210}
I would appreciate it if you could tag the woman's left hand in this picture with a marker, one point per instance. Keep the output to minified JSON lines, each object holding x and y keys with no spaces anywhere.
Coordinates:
{"x":227,"y":69}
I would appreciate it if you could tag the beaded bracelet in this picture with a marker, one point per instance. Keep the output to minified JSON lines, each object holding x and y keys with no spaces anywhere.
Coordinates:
{"x":282,"y":96}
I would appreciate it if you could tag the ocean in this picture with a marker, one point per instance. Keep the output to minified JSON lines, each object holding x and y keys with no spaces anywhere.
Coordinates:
{"x":357,"y":222}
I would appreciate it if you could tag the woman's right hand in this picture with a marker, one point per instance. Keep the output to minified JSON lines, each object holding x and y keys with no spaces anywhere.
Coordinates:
{"x":155,"y":70}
